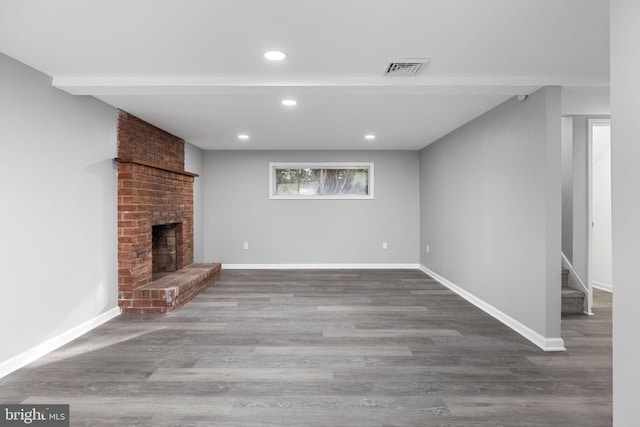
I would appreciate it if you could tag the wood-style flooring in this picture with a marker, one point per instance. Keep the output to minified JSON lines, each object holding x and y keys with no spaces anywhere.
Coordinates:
{"x":325,"y":348}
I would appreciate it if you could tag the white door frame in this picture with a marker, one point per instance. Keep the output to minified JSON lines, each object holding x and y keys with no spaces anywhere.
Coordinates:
{"x":590,"y":124}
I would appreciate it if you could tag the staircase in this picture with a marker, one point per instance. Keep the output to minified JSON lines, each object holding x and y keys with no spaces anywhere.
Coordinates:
{"x":572,"y":299}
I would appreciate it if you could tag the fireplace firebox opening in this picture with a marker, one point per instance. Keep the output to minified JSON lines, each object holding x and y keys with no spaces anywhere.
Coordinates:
{"x":164,"y":249}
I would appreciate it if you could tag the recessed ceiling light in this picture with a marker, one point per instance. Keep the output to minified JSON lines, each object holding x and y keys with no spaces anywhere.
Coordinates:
{"x":289,"y":102}
{"x":370,"y":136}
{"x":243,"y":136}
{"x":275,"y":55}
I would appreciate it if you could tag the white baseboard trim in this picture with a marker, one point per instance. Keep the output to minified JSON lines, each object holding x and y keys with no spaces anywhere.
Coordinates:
{"x":319,"y":266}
{"x":602,"y":287}
{"x":546,"y":344}
{"x":48,"y":346}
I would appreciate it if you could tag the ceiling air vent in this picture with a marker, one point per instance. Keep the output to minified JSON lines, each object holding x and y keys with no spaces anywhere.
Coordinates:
{"x":406,"y":66}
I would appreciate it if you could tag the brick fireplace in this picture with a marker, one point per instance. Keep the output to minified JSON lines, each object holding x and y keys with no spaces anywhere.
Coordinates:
{"x":154,"y":190}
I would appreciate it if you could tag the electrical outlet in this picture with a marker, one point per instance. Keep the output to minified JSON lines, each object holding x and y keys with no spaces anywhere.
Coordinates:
{"x":245,"y":245}
{"x":384,"y":245}
{"x":428,"y":249}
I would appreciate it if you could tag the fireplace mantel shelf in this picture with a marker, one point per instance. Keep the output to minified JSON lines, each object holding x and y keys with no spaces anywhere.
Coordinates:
{"x":153,"y":165}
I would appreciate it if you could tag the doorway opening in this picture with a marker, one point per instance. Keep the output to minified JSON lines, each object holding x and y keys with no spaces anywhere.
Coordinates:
{"x":600,"y":248}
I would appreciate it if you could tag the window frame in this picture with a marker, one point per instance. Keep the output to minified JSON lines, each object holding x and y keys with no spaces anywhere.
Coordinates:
{"x":273,"y":166}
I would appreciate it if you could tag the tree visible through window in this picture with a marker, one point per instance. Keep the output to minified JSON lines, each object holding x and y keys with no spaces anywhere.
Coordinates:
{"x":312,"y":181}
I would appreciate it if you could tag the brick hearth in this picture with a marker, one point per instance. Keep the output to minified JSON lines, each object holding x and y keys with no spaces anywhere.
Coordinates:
{"x":154,"y":189}
{"x":174,"y":289}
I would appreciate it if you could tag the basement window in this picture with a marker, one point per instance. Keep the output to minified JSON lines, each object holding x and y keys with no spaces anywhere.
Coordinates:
{"x":321,"y":180}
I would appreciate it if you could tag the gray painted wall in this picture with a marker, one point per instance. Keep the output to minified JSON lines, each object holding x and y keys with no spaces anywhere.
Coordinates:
{"x":58,"y":190}
{"x":491,"y":209}
{"x":580,"y":197}
{"x":194,"y":162}
{"x":625,"y":152}
{"x":237,"y":209}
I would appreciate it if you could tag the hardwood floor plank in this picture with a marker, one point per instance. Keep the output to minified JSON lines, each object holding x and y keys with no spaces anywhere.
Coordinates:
{"x":157,"y":326}
{"x":242,"y":374}
{"x":370,"y":308}
{"x":389,"y":333}
{"x":204,"y":304}
{"x":582,"y":410}
{"x":258,"y":296}
{"x":90,"y":410}
{"x":334,"y":351}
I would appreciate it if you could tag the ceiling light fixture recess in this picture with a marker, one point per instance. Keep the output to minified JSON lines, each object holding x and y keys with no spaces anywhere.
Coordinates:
{"x":369,"y":136}
{"x":289,"y":102}
{"x":243,"y":136}
{"x":275,"y":55}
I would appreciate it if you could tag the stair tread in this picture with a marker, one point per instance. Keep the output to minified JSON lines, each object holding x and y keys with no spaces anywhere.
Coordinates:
{"x":569,"y":293}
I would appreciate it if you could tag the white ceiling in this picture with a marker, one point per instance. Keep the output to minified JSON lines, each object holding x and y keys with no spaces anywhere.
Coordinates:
{"x":196,"y":68}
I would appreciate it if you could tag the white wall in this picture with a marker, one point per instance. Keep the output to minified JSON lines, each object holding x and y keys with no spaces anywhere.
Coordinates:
{"x":586,"y":100}
{"x":237,"y":208}
{"x":194,"y":162}
{"x":567,"y":187}
{"x":491,"y":210}
{"x":625,"y":167}
{"x":601,"y":207}
{"x":58,"y":191}
{"x":580,"y":253}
